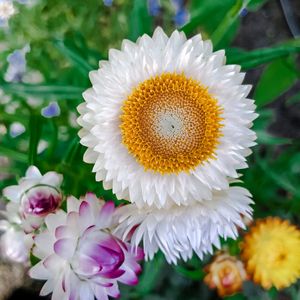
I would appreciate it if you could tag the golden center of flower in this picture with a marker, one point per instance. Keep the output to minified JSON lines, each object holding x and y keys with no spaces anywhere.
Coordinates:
{"x":170,"y":123}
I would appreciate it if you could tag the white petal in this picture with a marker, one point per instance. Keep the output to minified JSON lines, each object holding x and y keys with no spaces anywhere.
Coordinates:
{"x":33,"y":172}
{"x":13,"y":193}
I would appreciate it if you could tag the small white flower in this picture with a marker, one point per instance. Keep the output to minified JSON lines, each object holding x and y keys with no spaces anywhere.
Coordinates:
{"x":16,"y":129}
{"x":36,"y":196}
{"x":80,"y":258}
{"x":6,"y":11}
{"x":179,"y":230}
{"x":166,"y":121}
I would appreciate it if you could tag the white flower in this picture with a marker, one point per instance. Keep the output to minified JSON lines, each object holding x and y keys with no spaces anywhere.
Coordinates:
{"x":81,"y":259}
{"x":166,"y":121}
{"x":16,"y":129}
{"x":179,"y":230}
{"x":6,"y":11}
{"x":15,"y":244}
{"x":36,"y":196}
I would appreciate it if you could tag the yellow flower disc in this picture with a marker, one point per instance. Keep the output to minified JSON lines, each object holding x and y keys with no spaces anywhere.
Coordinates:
{"x":170,"y":123}
{"x":271,"y":251}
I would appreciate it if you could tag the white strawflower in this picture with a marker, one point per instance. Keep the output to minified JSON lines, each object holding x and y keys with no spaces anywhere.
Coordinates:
{"x":36,"y":196}
{"x":166,"y":121}
{"x":179,"y":230}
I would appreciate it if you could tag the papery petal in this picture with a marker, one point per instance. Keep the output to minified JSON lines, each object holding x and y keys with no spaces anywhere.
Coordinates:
{"x":65,"y":248}
{"x":39,"y":271}
{"x":33,"y":172}
{"x":13,"y":193}
{"x":73,"y":204}
{"x":54,"y":220}
{"x":47,"y":288}
{"x":105,"y":217}
{"x":52,"y":179}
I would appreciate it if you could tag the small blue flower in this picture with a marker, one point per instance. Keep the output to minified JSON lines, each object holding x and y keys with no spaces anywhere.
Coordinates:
{"x":50,"y":111}
{"x":154,"y":7}
{"x":181,"y":13}
{"x":16,"y":65}
{"x":22,"y":1}
{"x":243,"y":12}
{"x":108,"y":2}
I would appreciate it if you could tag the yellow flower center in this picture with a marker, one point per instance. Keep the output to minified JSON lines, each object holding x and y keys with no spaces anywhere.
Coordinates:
{"x":170,"y":123}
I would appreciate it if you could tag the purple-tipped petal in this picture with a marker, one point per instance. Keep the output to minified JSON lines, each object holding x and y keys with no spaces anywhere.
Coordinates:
{"x":113,"y":291}
{"x":84,"y":210}
{"x":64,"y":231}
{"x":65,"y":248}
{"x":129,"y":277}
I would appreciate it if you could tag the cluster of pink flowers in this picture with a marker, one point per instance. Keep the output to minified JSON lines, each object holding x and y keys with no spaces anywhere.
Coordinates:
{"x":80,"y":256}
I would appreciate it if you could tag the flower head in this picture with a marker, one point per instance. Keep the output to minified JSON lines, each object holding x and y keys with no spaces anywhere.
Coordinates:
{"x":166,"y":121}
{"x":80,"y":258}
{"x":271,"y":251}
{"x":16,"y":65}
{"x":226,"y":273}
{"x":6,"y":11}
{"x":181,"y":13}
{"x":36,"y":196}
{"x":50,"y":111}
{"x":154,"y":7}
{"x":15,"y":244}
{"x":179,"y":230}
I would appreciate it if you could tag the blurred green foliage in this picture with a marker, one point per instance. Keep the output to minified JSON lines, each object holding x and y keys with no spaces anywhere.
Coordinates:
{"x":68,"y":38}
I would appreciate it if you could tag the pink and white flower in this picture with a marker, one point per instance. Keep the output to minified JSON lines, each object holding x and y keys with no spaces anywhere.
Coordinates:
{"x":36,"y":195}
{"x":80,"y":258}
{"x":15,"y":244}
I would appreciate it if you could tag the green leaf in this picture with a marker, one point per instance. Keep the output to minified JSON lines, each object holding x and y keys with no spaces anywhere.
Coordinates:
{"x":263,"y":137}
{"x":33,"y":259}
{"x":236,"y":297}
{"x":140,"y":21}
{"x":277,"y":178}
{"x":277,"y":78}
{"x":256,"y":4}
{"x":35,"y":129}
{"x":151,"y":271}
{"x":191,"y":274}
{"x":43,"y":91}
{"x":252,"y":59}
{"x":77,"y":60}
{"x":227,"y":22}
{"x":14,"y":155}
{"x":207,"y":14}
